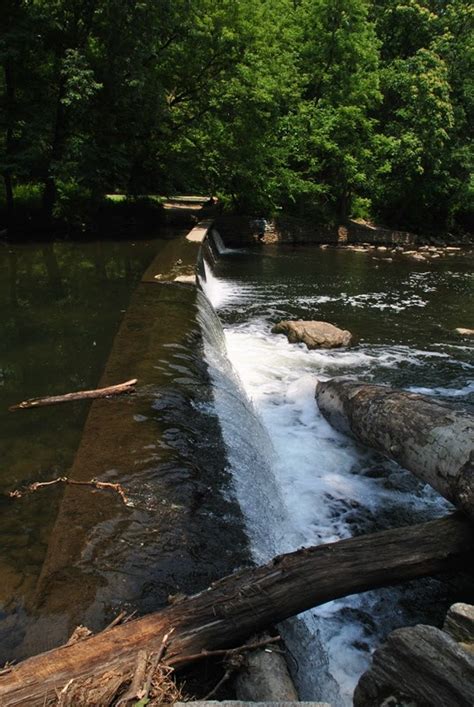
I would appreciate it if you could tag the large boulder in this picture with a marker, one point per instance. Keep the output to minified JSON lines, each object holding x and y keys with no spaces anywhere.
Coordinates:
{"x":314,"y":334}
{"x":422,"y":665}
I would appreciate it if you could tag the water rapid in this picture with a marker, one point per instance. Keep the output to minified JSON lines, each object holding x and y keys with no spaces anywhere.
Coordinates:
{"x":298,"y":481}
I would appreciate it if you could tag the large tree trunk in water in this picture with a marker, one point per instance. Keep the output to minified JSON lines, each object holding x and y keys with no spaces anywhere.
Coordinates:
{"x":431,"y":439}
{"x":240,"y":605}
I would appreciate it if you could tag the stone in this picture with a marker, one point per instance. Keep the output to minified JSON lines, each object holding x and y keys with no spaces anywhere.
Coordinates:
{"x":459,"y":622}
{"x":464,"y":332}
{"x":315,"y":334}
{"x":265,"y":678}
{"x":186,"y":279}
{"x":420,"y":663}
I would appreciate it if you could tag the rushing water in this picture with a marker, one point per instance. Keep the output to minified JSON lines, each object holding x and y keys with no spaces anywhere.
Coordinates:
{"x":298,"y":481}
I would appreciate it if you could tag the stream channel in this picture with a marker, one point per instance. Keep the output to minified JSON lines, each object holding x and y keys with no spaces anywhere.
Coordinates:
{"x":222,"y":451}
{"x":298,"y":481}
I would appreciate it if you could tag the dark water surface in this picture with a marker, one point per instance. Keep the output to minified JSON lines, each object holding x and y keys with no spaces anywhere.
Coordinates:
{"x":60,"y":307}
{"x":74,"y":316}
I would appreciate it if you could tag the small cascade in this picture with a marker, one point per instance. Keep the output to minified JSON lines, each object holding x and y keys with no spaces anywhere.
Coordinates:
{"x":248,"y":445}
{"x":219,"y":244}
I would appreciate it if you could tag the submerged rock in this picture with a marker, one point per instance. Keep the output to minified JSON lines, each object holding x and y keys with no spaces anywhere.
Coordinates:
{"x":314,"y":334}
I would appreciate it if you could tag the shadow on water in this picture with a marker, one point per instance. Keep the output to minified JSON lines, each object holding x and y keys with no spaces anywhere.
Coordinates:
{"x":77,"y":555}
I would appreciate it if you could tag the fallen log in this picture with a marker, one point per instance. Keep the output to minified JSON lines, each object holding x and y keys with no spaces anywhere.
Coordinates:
{"x":127,"y":387}
{"x":242,"y":604}
{"x":424,"y":435}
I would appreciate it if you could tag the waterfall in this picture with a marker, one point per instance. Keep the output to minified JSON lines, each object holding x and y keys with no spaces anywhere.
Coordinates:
{"x":252,"y":459}
{"x":249,"y":448}
{"x":219,"y":243}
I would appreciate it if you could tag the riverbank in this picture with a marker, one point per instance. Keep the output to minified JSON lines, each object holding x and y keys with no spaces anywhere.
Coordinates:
{"x":239,"y":231}
{"x":121,"y":216}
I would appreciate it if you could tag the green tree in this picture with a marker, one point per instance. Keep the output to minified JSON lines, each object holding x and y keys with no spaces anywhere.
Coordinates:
{"x":338,"y":60}
{"x":422,"y":160}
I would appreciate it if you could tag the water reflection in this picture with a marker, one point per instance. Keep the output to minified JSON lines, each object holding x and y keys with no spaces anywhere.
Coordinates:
{"x":74,"y":556}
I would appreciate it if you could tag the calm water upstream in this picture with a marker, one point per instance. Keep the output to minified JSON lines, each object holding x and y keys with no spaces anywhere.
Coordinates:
{"x":298,"y":481}
{"x":60,"y":307}
{"x":72,"y":315}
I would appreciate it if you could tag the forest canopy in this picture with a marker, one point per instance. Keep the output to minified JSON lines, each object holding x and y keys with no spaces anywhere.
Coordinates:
{"x":325,"y":108}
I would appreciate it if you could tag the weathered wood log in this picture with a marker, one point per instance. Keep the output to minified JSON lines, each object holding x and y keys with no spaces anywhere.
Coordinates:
{"x":246,"y":602}
{"x":127,"y":387}
{"x":424,"y":435}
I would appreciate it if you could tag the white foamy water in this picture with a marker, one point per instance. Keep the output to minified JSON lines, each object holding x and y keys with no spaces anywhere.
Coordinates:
{"x":301,"y":483}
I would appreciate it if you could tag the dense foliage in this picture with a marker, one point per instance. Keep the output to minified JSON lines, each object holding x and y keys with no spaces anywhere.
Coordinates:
{"x":332,"y":108}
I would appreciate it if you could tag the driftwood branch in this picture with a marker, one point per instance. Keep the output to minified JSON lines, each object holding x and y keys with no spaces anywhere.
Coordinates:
{"x":243,"y":604}
{"x":101,"y":485}
{"x":226,"y":652}
{"x":119,"y":389}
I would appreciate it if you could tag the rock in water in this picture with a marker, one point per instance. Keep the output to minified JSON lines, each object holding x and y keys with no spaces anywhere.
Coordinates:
{"x":314,"y":334}
{"x":265,"y":678}
{"x":459,"y":623}
{"x":420,"y":665}
{"x":464,"y":332}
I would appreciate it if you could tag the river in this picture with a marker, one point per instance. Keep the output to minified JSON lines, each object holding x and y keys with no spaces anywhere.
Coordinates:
{"x":222,"y":451}
{"x":298,"y":481}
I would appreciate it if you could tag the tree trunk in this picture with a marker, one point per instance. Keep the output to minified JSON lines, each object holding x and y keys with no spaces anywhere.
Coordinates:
{"x":9,"y":200}
{"x":431,"y":439}
{"x":240,"y":605}
{"x":59,"y":135}
{"x":10,"y":102}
